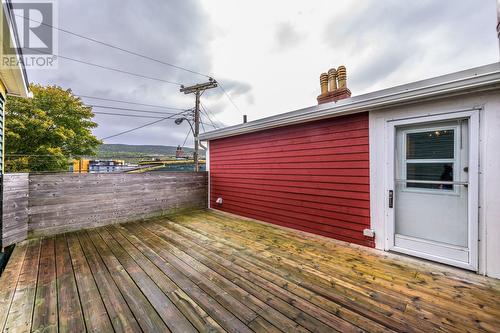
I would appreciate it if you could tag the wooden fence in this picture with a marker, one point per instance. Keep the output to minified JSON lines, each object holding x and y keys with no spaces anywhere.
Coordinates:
{"x":40,"y":205}
{"x":15,"y":208}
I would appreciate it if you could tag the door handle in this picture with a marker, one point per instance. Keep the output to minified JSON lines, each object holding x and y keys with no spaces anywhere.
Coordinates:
{"x":391,"y":198}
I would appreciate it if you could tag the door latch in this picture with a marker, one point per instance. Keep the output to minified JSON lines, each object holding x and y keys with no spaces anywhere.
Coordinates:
{"x":391,"y":198}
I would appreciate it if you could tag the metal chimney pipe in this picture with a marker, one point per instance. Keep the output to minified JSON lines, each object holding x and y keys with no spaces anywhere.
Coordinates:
{"x":244,"y":119}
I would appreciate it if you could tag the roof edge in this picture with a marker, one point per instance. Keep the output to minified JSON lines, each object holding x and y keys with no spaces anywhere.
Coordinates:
{"x":19,"y":73}
{"x":477,"y":78}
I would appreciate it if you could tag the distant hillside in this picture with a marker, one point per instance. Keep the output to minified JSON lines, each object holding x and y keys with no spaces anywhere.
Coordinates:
{"x":126,"y":151}
{"x":140,"y":149}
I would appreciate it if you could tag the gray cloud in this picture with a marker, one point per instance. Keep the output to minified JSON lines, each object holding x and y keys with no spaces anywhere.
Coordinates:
{"x":286,"y":36}
{"x":382,"y":43}
{"x":219,"y":103}
{"x":238,"y":89}
{"x":393,"y":37}
{"x":177,"y":32}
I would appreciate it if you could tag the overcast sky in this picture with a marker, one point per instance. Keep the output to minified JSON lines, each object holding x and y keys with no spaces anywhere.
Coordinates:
{"x":267,"y":54}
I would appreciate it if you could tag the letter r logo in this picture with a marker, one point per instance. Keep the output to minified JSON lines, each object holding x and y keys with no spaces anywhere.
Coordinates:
{"x":34,"y":21}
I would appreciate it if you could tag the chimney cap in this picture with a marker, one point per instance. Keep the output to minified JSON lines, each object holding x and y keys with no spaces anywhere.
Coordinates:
{"x":334,"y":85}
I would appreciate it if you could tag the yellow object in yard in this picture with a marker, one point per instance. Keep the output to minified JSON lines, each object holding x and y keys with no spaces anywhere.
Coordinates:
{"x":80,"y":166}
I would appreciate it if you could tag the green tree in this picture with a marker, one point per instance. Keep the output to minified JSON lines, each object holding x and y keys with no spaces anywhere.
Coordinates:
{"x":42,"y":133}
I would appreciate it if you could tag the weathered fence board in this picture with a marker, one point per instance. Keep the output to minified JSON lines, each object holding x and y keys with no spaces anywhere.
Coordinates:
{"x":15,"y":208}
{"x":56,"y":203}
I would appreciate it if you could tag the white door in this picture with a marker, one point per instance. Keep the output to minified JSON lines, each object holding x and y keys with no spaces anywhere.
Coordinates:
{"x":430,"y":193}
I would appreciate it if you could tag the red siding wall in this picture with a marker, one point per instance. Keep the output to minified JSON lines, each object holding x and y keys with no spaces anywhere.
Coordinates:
{"x":313,"y":177}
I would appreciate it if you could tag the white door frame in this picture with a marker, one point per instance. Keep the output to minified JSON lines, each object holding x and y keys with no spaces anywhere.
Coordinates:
{"x":473,"y":190}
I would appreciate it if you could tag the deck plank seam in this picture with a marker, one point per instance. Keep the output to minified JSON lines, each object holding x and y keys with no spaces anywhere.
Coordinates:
{"x":13,"y":293}
{"x":58,"y":306}
{"x":244,"y":321}
{"x":251,"y":255}
{"x":76,"y":281}
{"x":208,"y":258}
{"x":124,"y":270}
{"x":233,"y":231}
{"x":36,"y":284}
{"x":261,"y":309}
{"x":83,"y":233}
{"x":166,"y":261}
{"x":213,"y":257}
{"x":173,"y":282}
{"x":95,"y":281}
{"x":152,"y":280}
{"x":312,"y":291}
{"x":34,"y":292}
{"x":278,"y":286}
{"x":121,"y":232}
{"x":410,"y":298}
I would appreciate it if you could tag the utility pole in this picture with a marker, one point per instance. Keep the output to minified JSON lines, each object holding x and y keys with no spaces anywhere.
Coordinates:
{"x":197,"y":89}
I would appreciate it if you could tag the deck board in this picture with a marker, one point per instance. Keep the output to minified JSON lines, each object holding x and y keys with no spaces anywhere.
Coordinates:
{"x":118,"y":310}
{"x":70,"y":312}
{"x":20,"y":314}
{"x":189,"y":308}
{"x":252,"y":291}
{"x":174,"y":319}
{"x":8,"y":281}
{"x":340,"y":292}
{"x":94,"y":312}
{"x":45,"y":311}
{"x":147,"y":317}
{"x":213,"y":272}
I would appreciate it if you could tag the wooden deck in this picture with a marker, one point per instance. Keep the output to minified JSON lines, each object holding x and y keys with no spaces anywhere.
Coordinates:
{"x":212,"y":272}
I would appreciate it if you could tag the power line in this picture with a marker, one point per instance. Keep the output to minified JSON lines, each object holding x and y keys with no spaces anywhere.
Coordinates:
{"x":116,"y":47}
{"x":130,"y":109}
{"x":134,"y":129}
{"x":133,"y":115}
{"x":201,"y":122}
{"x":129,"y":52}
{"x":229,"y":97}
{"x":207,"y":113}
{"x":139,"y":127}
{"x":106,"y":67}
{"x":187,"y":136}
{"x":127,"y":115}
{"x":203,"y":126}
{"x":209,"y":119}
{"x":127,"y":102}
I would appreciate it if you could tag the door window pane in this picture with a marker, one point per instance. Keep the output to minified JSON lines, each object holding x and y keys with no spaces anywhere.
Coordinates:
{"x":430,"y":145}
{"x":432,"y":172}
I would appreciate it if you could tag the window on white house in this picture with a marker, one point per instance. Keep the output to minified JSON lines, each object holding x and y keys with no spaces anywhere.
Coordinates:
{"x":430,"y":156}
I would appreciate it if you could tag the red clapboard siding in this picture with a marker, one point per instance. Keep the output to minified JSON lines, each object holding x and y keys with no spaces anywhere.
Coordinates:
{"x":312,"y":177}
